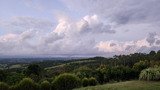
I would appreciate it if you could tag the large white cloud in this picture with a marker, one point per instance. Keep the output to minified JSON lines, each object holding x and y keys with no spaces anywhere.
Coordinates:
{"x":82,"y":37}
{"x":124,"y":13}
{"x":68,"y":37}
{"x":107,"y":28}
{"x":143,"y":45}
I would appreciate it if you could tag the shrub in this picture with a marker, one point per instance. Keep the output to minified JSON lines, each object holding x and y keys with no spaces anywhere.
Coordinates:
{"x":45,"y":85}
{"x":27,"y":84}
{"x":103,"y":74}
{"x":84,"y":72}
{"x":150,"y":74}
{"x":14,"y":87}
{"x":139,"y":66}
{"x":92,"y":81}
{"x":4,"y":86}
{"x":66,"y":82}
{"x":85,"y":82}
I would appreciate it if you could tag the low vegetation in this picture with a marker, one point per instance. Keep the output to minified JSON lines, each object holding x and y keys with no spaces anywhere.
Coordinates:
{"x":66,"y":82}
{"x":128,"y":85}
{"x":67,"y":75}
{"x":150,"y":74}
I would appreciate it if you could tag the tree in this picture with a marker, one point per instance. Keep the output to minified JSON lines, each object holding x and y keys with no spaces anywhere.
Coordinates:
{"x":14,"y":78}
{"x":158,"y":55}
{"x":102,"y":74}
{"x":27,"y":84}
{"x":66,"y":82}
{"x":45,"y":85}
{"x":152,"y":53}
{"x":33,"y":69}
{"x":84,"y":72}
{"x":139,"y":66}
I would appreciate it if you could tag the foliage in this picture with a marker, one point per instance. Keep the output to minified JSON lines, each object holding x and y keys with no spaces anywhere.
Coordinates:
{"x":85,"y":82}
{"x":3,"y":75}
{"x":150,"y":74}
{"x":102,"y":74}
{"x":4,"y":86}
{"x":92,"y":81}
{"x":14,"y":78}
{"x":139,"y":66}
{"x":117,"y":73}
{"x":84,"y":72}
{"x":33,"y":69}
{"x":14,"y":87}
{"x":35,"y":78}
{"x":45,"y":85}
{"x":103,"y":70}
{"x":27,"y":84}
{"x":66,"y":82}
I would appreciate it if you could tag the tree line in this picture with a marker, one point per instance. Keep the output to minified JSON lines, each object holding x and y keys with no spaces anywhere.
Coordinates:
{"x":82,"y":72}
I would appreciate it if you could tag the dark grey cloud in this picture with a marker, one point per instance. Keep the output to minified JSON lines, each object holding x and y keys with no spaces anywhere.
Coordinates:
{"x":158,"y":42}
{"x":151,"y":38}
{"x":113,"y":44}
{"x":120,"y":11}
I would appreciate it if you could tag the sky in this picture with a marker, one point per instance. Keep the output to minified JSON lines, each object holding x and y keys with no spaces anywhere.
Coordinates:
{"x":78,"y":27}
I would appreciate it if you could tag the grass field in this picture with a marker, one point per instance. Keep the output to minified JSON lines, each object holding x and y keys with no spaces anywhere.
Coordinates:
{"x":128,"y":85}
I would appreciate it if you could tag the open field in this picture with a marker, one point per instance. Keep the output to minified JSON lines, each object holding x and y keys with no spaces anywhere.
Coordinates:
{"x":128,"y":85}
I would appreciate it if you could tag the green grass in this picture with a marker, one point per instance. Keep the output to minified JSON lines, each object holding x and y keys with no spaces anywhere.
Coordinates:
{"x":74,"y":62}
{"x":128,"y":85}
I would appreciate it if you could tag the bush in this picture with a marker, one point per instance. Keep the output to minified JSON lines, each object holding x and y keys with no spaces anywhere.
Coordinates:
{"x":66,"y":82}
{"x":150,"y":74}
{"x":84,"y":72}
{"x":27,"y":84}
{"x":139,"y":66}
{"x":85,"y":82}
{"x":4,"y":86}
{"x":92,"y":81}
{"x":45,"y":85}
{"x":103,"y":74}
{"x":14,"y":87}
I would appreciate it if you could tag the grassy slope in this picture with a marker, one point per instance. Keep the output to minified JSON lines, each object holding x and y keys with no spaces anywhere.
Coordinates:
{"x":128,"y":85}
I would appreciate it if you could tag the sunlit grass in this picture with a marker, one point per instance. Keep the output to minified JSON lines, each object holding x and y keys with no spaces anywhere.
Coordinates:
{"x":128,"y":85}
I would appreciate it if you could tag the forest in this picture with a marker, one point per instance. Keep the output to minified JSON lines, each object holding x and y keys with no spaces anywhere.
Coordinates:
{"x":76,"y":73}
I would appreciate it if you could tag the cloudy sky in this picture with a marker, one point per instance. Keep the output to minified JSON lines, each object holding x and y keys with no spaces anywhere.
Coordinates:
{"x":79,"y":27}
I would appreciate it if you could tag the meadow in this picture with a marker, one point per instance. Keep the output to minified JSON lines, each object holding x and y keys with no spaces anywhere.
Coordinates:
{"x":127,"y":85}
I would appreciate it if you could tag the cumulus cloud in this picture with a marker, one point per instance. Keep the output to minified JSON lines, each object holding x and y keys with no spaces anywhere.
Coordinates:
{"x":74,"y":37}
{"x":107,"y":27}
{"x":81,"y":37}
{"x":68,"y":37}
{"x":87,"y":24}
{"x":143,"y":45}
